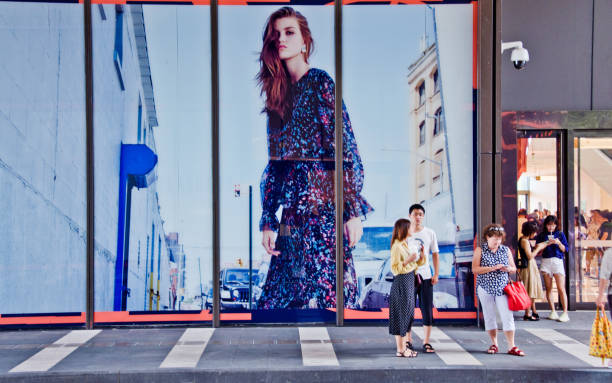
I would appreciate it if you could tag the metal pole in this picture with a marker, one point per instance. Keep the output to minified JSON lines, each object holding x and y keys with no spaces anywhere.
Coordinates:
{"x":339,"y":157}
{"x":214,"y":63}
{"x":89,"y":160}
{"x":250,"y":246}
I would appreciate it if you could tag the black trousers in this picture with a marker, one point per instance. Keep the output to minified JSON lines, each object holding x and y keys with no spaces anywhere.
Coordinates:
{"x":425,"y":296}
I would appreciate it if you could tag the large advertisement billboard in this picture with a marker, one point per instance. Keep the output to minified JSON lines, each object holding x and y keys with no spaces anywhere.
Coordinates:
{"x":408,"y":133}
{"x":408,"y":75}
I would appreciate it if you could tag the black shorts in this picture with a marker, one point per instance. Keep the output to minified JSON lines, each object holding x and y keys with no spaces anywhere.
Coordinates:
{"x":424,"y":294}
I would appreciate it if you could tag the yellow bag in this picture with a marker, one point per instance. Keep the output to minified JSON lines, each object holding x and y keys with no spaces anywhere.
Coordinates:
{"x":601,"y":336}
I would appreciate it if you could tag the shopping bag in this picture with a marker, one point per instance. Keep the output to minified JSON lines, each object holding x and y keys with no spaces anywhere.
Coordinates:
{"x":601,"y":336}
{"x":518,"y":299}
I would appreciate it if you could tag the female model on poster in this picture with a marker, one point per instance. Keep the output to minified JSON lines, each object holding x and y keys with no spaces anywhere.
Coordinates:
{"x":299,"y":103}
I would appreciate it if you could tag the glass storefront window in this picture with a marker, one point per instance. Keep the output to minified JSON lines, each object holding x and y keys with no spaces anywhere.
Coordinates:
{"x":405,"y":69}
{"x":152,"y":162}
{"x":593,"y":212}
{"x":153,"y":168}
{"x":42,"y":162}
{"x":277,"y":163}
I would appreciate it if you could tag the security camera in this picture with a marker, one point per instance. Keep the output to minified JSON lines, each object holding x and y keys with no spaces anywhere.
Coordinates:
{"x":519,"y":56}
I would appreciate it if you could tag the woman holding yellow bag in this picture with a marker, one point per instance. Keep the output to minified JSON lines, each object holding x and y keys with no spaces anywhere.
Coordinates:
{"x":601,"y":336}
{"x":605,"y":273}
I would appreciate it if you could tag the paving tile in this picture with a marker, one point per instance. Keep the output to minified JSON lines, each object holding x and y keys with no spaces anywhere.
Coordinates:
{"x":123,"y":354}
{"x":21,"y":345}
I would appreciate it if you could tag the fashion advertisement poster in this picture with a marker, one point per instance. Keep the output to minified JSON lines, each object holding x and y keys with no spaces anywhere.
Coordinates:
{"x":408,"y":91}
{"x":407,"y":138}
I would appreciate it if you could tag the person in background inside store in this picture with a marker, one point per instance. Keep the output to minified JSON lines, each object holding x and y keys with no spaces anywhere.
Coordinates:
{"x":492,"y":263}
{"x":605,"y":230}
{"x":605,"y":274}
{"x":553,"y":253}
{"x":424,"y":290}
{"x":593,"y":253}
{"x":521,"y":218}
{"x":528,"y":268}
{"x":604,"y":282}
{"x":406,"y":256}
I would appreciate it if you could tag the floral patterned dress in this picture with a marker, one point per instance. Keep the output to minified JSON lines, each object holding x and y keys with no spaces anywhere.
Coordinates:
{"x":300,"y":178}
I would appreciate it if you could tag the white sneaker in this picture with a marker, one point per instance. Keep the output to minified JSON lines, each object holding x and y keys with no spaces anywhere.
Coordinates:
{"x":553,"y":316}
{"x":563,"y":318}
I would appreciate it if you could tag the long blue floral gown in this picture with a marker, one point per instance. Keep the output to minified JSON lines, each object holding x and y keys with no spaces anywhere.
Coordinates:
{"x":300,"y":178}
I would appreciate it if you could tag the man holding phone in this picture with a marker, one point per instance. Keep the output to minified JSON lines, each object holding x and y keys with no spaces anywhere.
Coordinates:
{"x":424,"y":290}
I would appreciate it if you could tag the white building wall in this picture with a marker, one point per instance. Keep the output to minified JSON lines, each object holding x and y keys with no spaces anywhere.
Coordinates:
{"x":116,"y":121}
{"x":42,"y":158}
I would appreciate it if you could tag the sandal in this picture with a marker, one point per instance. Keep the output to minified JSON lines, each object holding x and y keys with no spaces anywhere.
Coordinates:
{"x":409,"y":345}
{"x":493,"y":349}
{"x":516,"y":351}
{"x":428,"y":348}
{"x":407,"y":353}
{"x":535,"y":317}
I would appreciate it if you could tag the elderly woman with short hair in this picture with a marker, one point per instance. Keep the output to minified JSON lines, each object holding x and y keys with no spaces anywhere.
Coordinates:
{"x":492,"y":263}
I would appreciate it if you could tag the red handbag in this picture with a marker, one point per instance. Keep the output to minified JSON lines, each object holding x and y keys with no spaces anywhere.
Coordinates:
{"x":518,"y":299}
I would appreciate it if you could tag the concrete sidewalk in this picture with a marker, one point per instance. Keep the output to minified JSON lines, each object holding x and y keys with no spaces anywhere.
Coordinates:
{"x":555,"y":351}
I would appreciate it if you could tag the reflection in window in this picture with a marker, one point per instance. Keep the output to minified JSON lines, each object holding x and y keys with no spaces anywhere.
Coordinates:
{"x":151,"y":224}
{"x":139,"y":121}
{"x":102,"y":12}
{"x":421,"y":92}
{"x":437,"y":122}
{"x":438,"y":158}
{"x":118,"y":53}
{"x":43,"y":223}
{"x":436,"y":81}
{"x":421,"y":174}
{"x":422,"y":133}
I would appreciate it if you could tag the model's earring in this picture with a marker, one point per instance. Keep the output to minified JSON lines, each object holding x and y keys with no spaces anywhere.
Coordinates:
{"x":304,"y":48}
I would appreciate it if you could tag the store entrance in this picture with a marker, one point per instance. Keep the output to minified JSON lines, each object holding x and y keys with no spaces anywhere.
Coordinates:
{"x":592,"y":211}
{"x":559,"y":163}
{"x":539,"y":186}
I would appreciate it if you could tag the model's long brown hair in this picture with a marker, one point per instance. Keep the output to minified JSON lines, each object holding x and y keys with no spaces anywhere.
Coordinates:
{"x":273,"y":77}
{"x":400,"y":230}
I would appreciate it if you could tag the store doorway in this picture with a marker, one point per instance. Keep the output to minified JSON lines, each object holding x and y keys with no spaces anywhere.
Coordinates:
{"x":539,"y":159}
{"x":592,"y":211}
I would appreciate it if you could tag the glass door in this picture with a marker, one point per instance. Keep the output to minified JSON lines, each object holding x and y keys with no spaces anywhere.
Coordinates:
{"x":592,"y":211}
{"x":539,"y":158}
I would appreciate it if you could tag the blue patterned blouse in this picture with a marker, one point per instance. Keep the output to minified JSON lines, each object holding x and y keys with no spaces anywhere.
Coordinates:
{"x":300,"y":171}
{"x":493,"y":282}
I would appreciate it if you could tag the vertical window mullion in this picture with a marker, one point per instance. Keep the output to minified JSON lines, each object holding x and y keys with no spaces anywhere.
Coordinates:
{"x":339,"y":181}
